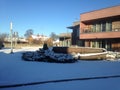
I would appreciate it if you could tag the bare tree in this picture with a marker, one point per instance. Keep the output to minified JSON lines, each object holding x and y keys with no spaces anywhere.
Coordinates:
{"x":3,"y":36}
{"x":2,"y":39}
{"x":28,"y":33}
{"x":53,"y":36}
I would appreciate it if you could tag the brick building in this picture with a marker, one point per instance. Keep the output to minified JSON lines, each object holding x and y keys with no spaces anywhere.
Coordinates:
{"x":100,"y":28}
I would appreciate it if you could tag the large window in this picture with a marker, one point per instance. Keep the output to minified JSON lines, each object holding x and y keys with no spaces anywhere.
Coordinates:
{"x":94,"y":28}
{"x":108,"y":26}
{"x":98,"y":27}
{"x":103,"y":27}
{"x":78,"y":32}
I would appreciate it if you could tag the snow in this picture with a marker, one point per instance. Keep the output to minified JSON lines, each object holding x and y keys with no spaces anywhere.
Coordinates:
{"x":58,"y":56}
{"x":14,"y":70}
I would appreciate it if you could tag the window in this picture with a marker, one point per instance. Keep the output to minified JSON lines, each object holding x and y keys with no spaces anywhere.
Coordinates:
{"x":103,"y":27}
{"x":94,"y":28}
{"x":78,"y":32}
{"x":98,"y":27}
{"x":108,"y":26}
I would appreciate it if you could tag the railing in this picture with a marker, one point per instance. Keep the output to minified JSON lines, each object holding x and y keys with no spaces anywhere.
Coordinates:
{"x":96,"y":31}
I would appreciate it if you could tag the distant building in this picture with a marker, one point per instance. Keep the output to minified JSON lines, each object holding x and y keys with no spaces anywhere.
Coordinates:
{"x":22,"y":40}
{"x":56,"y":42}
{"x":65,"y":39}
{"x":99,"y":28}
{"x":39,"y":37}
{"x":15,"y":39}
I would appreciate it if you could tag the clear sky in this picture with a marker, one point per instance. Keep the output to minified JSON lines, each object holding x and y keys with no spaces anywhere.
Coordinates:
{"x":45,"y":16}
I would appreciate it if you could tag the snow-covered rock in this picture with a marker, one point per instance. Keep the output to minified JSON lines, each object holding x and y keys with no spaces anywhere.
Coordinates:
{"x":111,"y":56}
{"x":48,"y":56}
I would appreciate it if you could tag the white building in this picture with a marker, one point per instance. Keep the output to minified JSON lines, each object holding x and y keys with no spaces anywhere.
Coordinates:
{"x":40,"y":37}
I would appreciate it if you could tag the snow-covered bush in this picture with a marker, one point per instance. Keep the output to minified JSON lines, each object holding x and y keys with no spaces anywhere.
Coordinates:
{"x":48,"y":56}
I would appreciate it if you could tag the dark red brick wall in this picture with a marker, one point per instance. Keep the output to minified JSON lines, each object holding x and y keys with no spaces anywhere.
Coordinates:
{"x":106,"y":12}
{"x":100,"y":35}
{"x":77,"y":50}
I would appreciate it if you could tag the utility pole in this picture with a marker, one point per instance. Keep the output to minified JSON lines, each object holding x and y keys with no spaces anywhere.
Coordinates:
{"x":11,"y":38}
{"x":15,"y":38}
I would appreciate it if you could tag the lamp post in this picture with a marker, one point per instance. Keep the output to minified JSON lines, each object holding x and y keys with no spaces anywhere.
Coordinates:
{"x":11,"y":38}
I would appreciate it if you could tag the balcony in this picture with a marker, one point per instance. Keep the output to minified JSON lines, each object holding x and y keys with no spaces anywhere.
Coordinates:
{"x":91,"y":34}
{"x":87,"y":30}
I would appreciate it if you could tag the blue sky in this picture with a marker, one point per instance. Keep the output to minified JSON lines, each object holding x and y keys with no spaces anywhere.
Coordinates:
{"x":45,"y":16}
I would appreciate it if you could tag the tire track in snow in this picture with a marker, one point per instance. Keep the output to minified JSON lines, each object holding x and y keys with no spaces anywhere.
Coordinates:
{"x":58,"y":81}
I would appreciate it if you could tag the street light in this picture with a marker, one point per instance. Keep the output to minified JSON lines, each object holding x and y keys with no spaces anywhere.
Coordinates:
{"x":11,"y":38}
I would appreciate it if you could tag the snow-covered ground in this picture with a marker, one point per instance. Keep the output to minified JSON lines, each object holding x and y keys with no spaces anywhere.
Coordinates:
{"x":13,"y":70}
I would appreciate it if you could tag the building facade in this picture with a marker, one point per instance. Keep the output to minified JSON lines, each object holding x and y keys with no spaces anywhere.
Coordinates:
{"x":75,"y":33}
{"x":65,"y":39}
{"x":99,"y":28}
